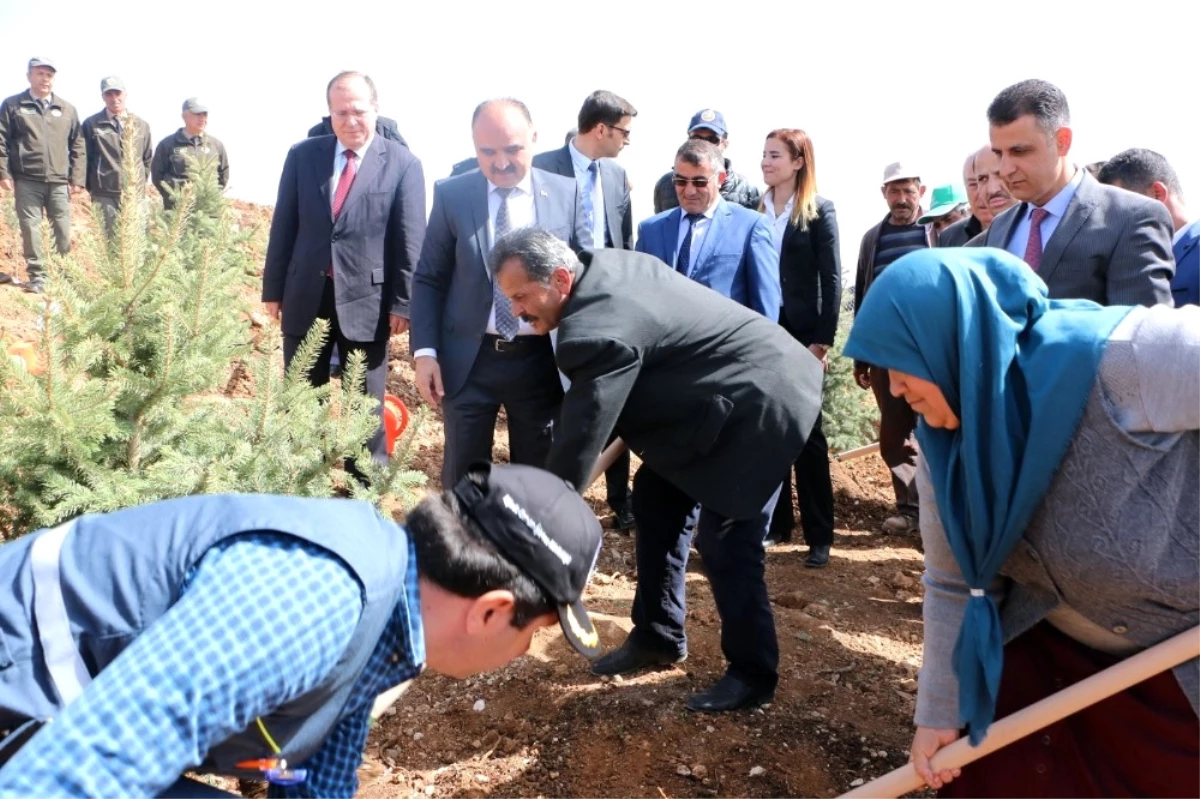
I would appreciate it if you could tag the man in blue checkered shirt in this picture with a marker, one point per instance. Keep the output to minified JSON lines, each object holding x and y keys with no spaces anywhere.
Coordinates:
{"x":250,"y":635}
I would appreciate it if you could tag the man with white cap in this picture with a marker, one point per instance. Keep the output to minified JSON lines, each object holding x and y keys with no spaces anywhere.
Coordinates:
{"x":41,"y":160}
{"x":189,"y":144}
{"x":898,"y":234}
{"x":251,"y":635}
{"x":104,"y":134}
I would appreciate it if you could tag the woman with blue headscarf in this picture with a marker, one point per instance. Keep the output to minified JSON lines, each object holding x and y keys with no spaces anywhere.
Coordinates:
{"x":1060,"y":514}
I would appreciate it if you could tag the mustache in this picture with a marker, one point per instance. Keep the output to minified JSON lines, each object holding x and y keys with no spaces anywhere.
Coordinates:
{"x":508,"y":170}
{"x":527,"y":318}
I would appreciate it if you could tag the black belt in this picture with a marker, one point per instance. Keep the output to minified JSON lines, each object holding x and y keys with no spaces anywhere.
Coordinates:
{"x":510,"y":346}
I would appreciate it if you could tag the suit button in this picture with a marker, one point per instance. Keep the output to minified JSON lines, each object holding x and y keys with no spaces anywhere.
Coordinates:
{"x":335,"y":237}
{"x":1120,"y":629}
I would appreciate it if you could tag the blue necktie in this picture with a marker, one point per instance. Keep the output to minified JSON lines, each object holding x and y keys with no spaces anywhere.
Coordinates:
{"x":506,"y":323}
{"x":685,"y":251}
{"x":589,"y":201}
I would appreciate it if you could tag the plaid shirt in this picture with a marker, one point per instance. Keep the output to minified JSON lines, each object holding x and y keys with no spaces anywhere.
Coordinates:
{"x":263,"y":619}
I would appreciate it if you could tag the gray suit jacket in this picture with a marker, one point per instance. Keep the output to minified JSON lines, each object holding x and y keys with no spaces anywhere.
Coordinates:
{"x":452,"y":285}
{"x":618,"y":214}
{"x":1112,"y":246}
{"x":714,"y":397}
{"x":372,"y":248}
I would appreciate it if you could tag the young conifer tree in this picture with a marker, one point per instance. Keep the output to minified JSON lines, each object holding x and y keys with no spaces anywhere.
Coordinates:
{"x":851,"y":418}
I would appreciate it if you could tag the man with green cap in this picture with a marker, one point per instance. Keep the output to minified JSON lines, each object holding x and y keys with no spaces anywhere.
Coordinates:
{"x":949,"y":205}
{"x":104,"y":134}
{"x":169,"y":169}
{"x":42,"y":161}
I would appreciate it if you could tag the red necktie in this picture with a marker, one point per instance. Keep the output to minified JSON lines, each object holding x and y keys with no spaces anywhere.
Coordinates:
{"x":343,"y":186}
{"x":1033,"y":250}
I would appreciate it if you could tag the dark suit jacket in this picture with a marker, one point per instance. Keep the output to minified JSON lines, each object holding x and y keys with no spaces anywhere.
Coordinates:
{"x":1112,"y":246}
{"x":372,"y":248}
{"x":961,"y":232}
{"x":384,"y":127}
{"x":1186,"y":285}
{"x":735,"y":257}
{"x":452,"y":287}
{"x":713,"y":396}
{"x":618,"y":214}
{"x":810,"y":276}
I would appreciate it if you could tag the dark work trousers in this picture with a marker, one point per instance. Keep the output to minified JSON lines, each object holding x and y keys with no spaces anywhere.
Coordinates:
{"x":814,"y":494}
{"x":377,"y":366}
{"x":616,"y":480}
{"x":521,"y":376}
{"x":897,"y":441}
{"x":733,"y":555}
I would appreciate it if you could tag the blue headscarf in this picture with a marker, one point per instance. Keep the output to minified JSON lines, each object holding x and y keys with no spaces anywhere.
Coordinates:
{"x":1016,"y":368}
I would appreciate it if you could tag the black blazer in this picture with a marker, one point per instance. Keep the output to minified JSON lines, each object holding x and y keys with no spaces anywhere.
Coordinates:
{"x":714,"y":397}
{"x":810,"y":277}
{"x":372,"y":248}
{"x":618,"y":211}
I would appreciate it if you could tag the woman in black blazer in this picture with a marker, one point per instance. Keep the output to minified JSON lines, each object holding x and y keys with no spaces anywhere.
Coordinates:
{"x":810,"y":277}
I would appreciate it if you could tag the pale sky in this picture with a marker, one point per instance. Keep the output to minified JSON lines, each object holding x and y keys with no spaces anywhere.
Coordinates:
{"x":870,"y":82}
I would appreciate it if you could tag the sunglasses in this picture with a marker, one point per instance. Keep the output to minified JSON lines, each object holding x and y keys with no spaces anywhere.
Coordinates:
{"x":711,"y":138}
{"x":681,"y":181}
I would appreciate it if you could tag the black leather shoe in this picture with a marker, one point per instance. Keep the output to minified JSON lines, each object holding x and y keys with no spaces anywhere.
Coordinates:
{"x":631,"y":657}
{"x":729,"y":693}
{"x":818,"y":557}
{"x":778,"y":538}
{"x":623,"y":519}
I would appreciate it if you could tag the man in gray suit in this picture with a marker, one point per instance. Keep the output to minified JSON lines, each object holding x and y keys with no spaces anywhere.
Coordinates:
{"x":1084,"y":239}
{"x":472,"y":355}
{"x":345,"y":237}
{"x":605,"y":121}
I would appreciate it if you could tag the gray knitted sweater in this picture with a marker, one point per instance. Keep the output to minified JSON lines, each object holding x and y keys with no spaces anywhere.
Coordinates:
{"x":1112,"y":556}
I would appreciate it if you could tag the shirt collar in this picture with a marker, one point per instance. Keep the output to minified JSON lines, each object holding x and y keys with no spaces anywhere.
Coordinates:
{"x":769,"y":205}
{"x":1057,"y":205}
{"x":707,"y":214}
{"x":1179,"y":234}
{"x":524,"y":187}
{"x":581,"y":161}
{"x":360,"y":152}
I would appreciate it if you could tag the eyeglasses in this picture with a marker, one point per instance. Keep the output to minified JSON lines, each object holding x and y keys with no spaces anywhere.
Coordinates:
{"x":681,"y":181}
{"x":710,"y":138}
{"x":624,"y":131}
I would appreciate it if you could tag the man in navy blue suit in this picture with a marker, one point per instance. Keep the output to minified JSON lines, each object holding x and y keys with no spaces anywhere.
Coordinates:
{"x":714,"y":242}
{"x":345,"y":238}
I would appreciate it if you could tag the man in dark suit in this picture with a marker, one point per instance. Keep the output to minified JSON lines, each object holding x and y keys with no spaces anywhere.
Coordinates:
{"x":709,"y":239}
{"x":714,"y":398}
{"x":472,"y":355}
{"x":605,"y":121}
{"x":1147,"y":172}
{"x":345,"y":236}
{"x":387,"y":128}
{"x":1084,"y":239}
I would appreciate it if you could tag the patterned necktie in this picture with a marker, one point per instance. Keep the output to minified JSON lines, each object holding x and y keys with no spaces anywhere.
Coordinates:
{"x":682,"y":261}
{"x":1033,"y":250}
{"x":589,"y":202}
{"x":506,"y":323}
{"x":344,"y":183}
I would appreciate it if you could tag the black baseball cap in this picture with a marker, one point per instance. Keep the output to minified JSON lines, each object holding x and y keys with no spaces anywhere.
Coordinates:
{"x":544,"y":528}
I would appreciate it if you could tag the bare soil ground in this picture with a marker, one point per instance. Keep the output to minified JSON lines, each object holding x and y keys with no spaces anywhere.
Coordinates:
{"x":850,"y":644}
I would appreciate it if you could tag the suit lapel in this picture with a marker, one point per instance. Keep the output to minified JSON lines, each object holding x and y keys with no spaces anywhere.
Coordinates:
{"x":323,"y":173}
{"x":543,"y":208}
{"x":1003,"y":226}
{"x":372,"y":164}
{"x":1077,"y":213}
{"x":479,"y":218}
{"x":721,"y":215}
{"x":670,"y":231}
{"x":612,"y":200}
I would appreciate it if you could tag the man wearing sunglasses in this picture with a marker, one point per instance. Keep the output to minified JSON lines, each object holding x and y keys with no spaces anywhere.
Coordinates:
{"x":709,"y":125}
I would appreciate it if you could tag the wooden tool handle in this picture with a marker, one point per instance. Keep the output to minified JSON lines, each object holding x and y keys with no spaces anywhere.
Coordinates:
{"x":607,"y":458}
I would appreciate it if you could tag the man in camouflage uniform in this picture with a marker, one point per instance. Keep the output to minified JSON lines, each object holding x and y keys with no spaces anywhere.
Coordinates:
{"x":104,"y":133}
{"x":190,"y":143}
{"x":42,"y":160}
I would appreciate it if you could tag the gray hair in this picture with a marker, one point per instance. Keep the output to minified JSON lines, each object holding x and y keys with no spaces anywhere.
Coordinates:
{"x":700,"y":153}
{"x":346,"y":76}
{"x":538,"y":251}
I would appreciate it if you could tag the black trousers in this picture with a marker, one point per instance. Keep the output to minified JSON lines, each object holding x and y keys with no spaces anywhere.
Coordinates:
{"x":616,"y":480}
{"x":377,"y":365}
{"x":733,"y":555}
{"x":897,"y":441}
{"x":523,"y":378}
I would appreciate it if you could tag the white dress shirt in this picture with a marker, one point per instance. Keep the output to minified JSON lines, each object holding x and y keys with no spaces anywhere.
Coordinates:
{"x":581,"y":162}
{"x":778,"y":223}
{"x":339,"y":164}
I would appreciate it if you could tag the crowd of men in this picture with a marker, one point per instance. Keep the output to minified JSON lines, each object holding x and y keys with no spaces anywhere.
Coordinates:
{"x":526,"y":289}
{"x":47,"y":156}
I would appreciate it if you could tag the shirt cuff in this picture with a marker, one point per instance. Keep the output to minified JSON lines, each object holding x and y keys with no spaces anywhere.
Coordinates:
{"x":430,"y":351}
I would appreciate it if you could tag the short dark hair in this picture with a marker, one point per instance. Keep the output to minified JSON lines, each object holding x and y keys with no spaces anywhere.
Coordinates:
{"x":347,"y":74}
{"x":699,"y":152}
{"x":511,"y":102}
{"x":538,"y":251}
{"x":1136,"y":169}
{"x":1042,"y":99}
{"x":603,"y":108}
{"x":455,"y":555}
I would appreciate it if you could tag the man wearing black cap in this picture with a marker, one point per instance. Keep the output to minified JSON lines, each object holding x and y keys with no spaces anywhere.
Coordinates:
{"x":104,"y":133}
{"x":42,"y":161}
{"x":709,"y":125}
{"x":169,"y":169}
{"x":716,"y":400}
{"x":264,"y":628}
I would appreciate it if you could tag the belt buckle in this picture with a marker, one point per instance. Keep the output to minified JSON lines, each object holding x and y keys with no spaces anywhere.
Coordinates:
{"x":502,"y":345}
